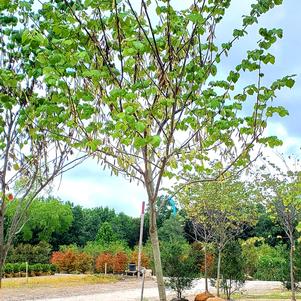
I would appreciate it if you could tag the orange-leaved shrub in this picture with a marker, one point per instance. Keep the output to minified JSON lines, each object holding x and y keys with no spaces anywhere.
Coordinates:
{"x":145,"y":260}
{"x":119,"y":262}
{"x":116,"y":263}
{"x":101,"y":260}
{"x":83,"y":262}
{"x":71,"y":261}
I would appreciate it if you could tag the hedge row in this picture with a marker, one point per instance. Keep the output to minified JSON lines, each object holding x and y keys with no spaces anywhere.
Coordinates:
{"x":72,"y":261}
{"x":19,"y":269}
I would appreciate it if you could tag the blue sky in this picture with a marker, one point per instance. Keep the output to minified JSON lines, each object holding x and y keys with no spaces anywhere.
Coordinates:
{"x":89,"y":186}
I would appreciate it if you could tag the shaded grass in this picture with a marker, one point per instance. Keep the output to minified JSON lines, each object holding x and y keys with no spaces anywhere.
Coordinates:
{"x":58,"y":281}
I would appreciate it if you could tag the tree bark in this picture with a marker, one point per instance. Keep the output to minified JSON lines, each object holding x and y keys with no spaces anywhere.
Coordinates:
{"x":292,"y":248}
{"x":1,"y":244}
{"x":156,"y":251}
{"x":218,"y":272}
{"x":1,"y":271}
{"x":205,"y":268}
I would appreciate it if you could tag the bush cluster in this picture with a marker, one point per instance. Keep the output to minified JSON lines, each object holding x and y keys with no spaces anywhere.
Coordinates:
{"x":19,"y":269}
{"x":71,"y":261}
{"x":75,"y":261}
{"x":116,"y":263}
{"x":32,"y":254}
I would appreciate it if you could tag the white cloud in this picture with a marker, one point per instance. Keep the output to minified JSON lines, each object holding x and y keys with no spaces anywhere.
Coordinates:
{"x":86,"y":185}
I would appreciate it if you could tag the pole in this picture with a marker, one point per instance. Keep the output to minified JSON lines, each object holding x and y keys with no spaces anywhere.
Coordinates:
{"x":26,"y":271}
{"x":142,"y":287}
{"x":141,"y":238}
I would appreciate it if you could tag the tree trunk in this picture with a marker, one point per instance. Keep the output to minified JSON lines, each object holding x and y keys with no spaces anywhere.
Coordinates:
{"x":218,"y":272}
{"x":293,"y":298}
{"x":205,"y":268}
{"x":1,"y":272}
{"x":156,"y":251}
{"x":2,"y":253}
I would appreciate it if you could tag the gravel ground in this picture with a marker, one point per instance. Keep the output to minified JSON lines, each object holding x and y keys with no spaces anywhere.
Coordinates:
{"x":124,"y":290}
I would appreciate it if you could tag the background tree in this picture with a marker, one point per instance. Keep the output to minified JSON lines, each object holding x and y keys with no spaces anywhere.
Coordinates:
{"x":266,"y":227}
{"x":45,"y":217}
{"x":75,"y":234}
{"x":145,"y":93}
{"x":105,"y":234}
{"x":282,"y":194}
{"x":127,"y":229}
{"x":222,"y":209}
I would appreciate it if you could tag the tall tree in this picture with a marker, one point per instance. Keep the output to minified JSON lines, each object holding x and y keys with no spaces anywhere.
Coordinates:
{"x":144,"y":89}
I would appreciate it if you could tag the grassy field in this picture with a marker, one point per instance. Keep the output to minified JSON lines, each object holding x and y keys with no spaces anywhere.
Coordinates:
{"x":268,"y":296}
{"x":58,"y":281}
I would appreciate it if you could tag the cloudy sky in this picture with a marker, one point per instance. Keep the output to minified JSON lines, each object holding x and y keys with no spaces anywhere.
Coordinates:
{"x":89,"y":186}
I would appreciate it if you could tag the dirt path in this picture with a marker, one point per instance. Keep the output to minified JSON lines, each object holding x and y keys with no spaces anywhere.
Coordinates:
{"x":123,"y":290}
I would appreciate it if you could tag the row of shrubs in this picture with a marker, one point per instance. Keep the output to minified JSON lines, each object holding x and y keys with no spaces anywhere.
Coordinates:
{"x":73,"y":261}
{"x":19,"y":269}
{"x":39,"y":253}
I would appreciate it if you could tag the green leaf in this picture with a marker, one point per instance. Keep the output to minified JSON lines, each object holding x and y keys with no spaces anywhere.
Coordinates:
{"x":155,"y":141}
{"x":290,"y":82}
{"x":138,"y":45}
{"x":140,"y":126}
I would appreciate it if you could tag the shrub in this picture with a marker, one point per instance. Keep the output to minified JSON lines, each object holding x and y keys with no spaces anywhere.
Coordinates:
{"x":17,"y":269}
{"x":145,"y":260}
{"x":119,"y":262}
{"x":101,"y":260}
{"x":83,"y":262}
{"x":178,"y":260}
{"x":39,"y":253}
{"x":8,"y":268}
{"x":250,"y":253}
{"x":272,"y":263}
{"x":64,"y":261}
{"x":72,"y":261}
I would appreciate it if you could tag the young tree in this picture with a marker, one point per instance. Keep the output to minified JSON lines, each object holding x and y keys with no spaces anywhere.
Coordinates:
{"x":178,"y":260}
{"x":31,"y":156}
{"x":282,"y":194}
{"x":203,"y":231}
{"x":220,"y":210}
{"x":232,"y":269}
{"x":144,"y":91}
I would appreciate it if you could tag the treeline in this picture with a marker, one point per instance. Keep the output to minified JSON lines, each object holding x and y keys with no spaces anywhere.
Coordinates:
{"x":77,"y":239}
{"x":63,"y":223}
{"x":59,"y":223}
